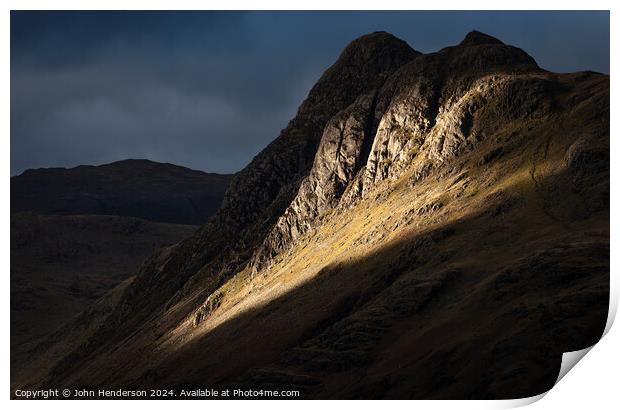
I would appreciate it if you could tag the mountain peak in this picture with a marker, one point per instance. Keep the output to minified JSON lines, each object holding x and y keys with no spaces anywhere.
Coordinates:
{"x":476,"y":38}
{"x":362,"y":66}
{"x":374,"y":45}
{"x":374,"y":38}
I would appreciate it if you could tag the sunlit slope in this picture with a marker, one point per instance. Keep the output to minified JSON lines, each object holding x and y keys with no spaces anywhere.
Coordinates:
{"x":487,"y":269}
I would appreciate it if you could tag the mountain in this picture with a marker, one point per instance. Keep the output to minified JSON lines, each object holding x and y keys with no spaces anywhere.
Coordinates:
{"x":427,"y":226}
{"x":138,"y":188}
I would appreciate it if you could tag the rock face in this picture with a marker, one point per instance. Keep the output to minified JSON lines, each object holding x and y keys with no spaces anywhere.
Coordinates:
{"x":343,"y":149}
{"x":135,"y":188}
{"x":412,"y":195}
{"x":266,"y":186}
{"x":425,"y":109}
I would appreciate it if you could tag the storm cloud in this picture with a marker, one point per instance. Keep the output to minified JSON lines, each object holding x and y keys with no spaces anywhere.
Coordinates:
{"x":209,"y":90}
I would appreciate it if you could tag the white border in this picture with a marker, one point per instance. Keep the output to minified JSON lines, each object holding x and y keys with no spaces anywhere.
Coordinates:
{"x":593,"y":384}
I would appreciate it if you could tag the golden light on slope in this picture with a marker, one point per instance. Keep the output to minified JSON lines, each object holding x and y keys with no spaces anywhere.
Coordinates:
{"x":358,"y":232}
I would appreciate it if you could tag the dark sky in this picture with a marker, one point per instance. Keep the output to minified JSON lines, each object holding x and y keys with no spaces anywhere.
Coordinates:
{"x":209,"y":90}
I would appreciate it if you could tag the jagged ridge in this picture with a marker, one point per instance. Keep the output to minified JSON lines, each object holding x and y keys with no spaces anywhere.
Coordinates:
{"x":425,"y":110}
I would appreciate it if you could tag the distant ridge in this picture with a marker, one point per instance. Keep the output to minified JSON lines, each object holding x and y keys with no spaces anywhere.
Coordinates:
{"x":133,"y":187}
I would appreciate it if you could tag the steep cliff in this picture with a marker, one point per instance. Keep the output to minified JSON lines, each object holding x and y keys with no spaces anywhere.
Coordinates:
{"x":424,"y":113}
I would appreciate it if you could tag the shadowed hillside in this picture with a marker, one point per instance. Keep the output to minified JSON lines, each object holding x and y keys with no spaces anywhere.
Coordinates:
{"x":62,"y":264}
{"x":138,"y":188}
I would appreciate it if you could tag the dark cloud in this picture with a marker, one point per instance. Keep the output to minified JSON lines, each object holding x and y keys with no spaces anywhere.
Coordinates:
{"x":210,"y":89}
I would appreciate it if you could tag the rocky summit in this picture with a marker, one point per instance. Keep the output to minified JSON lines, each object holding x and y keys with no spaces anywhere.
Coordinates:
{"x":427,"y":226}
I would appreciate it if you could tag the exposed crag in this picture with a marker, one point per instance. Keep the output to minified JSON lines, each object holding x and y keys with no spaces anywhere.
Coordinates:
{"x":424,"y":110}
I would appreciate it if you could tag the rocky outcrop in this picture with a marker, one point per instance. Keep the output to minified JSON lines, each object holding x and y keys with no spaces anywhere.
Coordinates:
{"x":343,"y":150}
{"x":432,"y":101}
{"x":426,"y":109}
{"x":363,"y":66}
